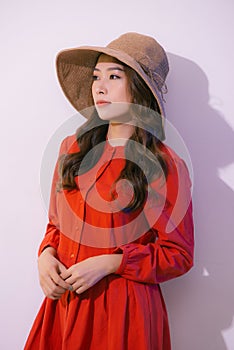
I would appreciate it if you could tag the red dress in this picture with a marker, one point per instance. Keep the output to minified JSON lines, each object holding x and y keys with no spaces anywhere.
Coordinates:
{"x":124,"y":310}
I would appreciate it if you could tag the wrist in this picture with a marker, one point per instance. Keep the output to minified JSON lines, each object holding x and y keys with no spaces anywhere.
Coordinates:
{"x":115,"y":261}
{"x":49,"y":250}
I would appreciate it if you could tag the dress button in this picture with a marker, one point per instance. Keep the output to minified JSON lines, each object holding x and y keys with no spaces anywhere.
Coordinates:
{"x":72,"y":255}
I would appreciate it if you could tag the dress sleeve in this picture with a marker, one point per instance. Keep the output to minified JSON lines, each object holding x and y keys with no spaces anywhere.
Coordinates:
{"x":171,"y":255}
{"x":52,"y":233}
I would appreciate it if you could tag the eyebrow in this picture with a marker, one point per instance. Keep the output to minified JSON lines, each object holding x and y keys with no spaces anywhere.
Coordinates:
{"x":110,"y":68}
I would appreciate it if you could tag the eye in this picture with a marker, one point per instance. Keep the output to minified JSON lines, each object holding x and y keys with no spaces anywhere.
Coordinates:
{"x":114,"y":76}
{"x":95,"y":77}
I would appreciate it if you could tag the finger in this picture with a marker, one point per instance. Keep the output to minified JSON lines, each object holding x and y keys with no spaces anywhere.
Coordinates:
{"x":65,"y":274}
{"x":62,"y":268}
{"x":57,"y":295}
{"x":82,"y":289}
{"x":49,"y":281}
{"x":72,"y":280}
{"x":49,"y":287}
{"x":58,"y":290}
{"x":47,"y":284}
{"x":59,"y":281}
{"x":55,"y":292}
{"x":54,"y":296}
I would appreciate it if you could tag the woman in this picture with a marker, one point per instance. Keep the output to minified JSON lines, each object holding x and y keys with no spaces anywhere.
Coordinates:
{"x":120,"y":218}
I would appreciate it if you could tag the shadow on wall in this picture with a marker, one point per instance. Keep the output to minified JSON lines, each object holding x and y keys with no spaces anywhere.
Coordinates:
{"x":200,"y":304}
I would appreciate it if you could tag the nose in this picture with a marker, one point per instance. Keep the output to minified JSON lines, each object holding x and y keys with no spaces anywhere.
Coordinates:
{"x":101,"y":88}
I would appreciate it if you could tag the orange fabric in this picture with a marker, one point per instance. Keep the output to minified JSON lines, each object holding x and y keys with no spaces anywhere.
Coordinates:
{"x":124,"y":310}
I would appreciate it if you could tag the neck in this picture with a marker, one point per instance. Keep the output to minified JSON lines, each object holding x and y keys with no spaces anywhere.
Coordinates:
{"x":120,"y":131}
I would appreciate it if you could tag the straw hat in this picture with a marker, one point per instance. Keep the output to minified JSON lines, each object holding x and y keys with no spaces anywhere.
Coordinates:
{"x":140,"y":52}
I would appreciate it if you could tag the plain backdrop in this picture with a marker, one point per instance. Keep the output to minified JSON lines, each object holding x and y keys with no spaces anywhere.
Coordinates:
{"x":198,"y":37}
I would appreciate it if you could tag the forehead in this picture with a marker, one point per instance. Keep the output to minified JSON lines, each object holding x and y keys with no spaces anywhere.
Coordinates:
{"x":109,"y":66}
{"x":106,"y":58}
{"x":106,"y":61}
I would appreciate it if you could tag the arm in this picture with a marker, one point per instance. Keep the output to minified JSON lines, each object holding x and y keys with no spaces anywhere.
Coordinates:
{"x":51,"y":237}
{"x":49,"y":266}
{"x":172,"y":253}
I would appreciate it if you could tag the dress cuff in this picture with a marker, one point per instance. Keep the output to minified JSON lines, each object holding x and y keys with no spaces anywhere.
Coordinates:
{"x":48,"y":242}
{"x":124,"y":261}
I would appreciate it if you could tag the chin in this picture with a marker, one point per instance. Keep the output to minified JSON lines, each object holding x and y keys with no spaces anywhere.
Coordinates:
{"x":116,"y":119}
{"x":118,"y":113}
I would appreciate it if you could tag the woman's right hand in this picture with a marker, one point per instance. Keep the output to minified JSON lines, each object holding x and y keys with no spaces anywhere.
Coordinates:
{"x":50,"y":269}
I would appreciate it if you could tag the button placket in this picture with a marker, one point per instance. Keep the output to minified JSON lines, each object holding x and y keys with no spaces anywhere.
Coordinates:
{"x":85,"y":188}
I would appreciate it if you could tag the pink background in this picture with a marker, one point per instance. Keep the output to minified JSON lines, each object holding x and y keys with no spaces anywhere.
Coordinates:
{"x":198,"y":37}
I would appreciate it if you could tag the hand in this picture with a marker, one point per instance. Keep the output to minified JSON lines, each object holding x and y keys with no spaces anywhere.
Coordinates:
{"x":86,"y":273}
{"x":50,"y":269}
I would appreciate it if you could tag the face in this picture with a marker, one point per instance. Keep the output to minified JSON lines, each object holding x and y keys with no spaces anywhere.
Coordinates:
{"x":110,"y":92}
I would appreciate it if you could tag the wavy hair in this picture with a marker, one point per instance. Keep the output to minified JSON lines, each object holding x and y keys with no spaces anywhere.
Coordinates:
{"x":150,"y":161}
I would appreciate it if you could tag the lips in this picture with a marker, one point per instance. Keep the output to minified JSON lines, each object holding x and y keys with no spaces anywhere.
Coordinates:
{"x":102,"y":103}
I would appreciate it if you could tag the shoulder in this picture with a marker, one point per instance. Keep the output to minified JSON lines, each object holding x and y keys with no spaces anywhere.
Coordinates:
{"x":178,"y":178}
{"x":171,"y":155}
{"x":176,"y":165}
{"x":69,"y":145}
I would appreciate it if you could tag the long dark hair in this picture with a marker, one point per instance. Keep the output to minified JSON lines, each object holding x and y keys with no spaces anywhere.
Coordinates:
{"x":147,"y":150}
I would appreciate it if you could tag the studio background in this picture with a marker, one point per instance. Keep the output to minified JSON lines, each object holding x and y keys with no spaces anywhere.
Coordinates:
{"x":198,"y":37}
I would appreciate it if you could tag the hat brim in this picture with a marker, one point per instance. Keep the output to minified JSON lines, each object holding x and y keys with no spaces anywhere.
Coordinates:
{"x":75,"y":70}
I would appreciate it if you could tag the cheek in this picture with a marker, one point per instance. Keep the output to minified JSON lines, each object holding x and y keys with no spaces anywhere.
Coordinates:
{"x":129,"y":96}
{"x":126,"y":95}
{"x":127,"y":92}
{"x":92,"y":90}
{"x":122,"y":93}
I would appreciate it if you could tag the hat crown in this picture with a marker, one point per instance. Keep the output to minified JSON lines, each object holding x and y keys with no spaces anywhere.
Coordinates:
{"x":147,"y":52}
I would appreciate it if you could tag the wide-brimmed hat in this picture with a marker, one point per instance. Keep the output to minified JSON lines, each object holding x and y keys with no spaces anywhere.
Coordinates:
{"x":140,"y":52}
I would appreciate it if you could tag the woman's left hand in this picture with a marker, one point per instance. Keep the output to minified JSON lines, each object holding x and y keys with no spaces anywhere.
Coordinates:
{"x":88,"y":272}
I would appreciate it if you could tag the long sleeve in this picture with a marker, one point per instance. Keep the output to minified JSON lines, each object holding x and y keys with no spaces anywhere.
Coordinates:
{"x":172,"y":253}
{"x":52,"y":233}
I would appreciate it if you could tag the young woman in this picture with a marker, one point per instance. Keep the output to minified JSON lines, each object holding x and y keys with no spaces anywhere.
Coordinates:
{"x":120,"y":218}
